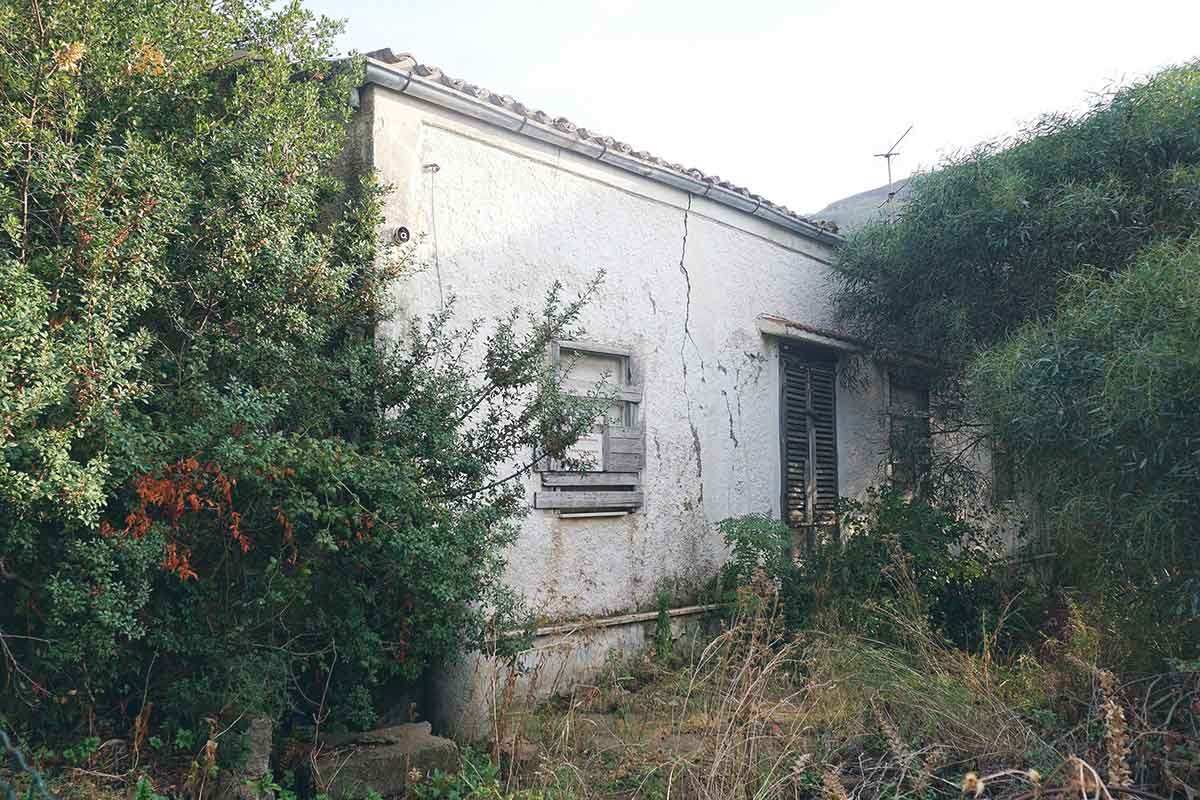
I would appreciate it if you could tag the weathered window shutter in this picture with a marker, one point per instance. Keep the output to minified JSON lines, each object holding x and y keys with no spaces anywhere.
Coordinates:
{"x":616,"y":446}
{"x":809,"y":411}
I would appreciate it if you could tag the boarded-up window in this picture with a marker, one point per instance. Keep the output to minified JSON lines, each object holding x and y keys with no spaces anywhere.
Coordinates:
{"x":809,"y":409}
{"x":613,"y":451}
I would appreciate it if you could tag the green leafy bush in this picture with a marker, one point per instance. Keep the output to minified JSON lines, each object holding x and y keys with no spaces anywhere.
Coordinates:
{"x":664,"y":641}
{"x":144,"y":790}
{"x":889,"y":550}
{"x":1049,"y":282}
{"x":985,"y":239}
{"x":756,"y":542}
{"x":892,"y":550}
{"x":1098,"y":405}
{"x":219,"y":493}
{"x":478,"y":778}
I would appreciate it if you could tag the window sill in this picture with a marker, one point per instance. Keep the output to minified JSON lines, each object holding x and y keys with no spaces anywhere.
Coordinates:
{"x":591,"y":514}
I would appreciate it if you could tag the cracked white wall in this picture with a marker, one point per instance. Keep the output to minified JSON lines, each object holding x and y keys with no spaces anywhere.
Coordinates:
{"x":511,"y":216}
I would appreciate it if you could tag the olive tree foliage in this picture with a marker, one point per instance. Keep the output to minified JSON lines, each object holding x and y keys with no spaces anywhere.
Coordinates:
{"x":1049,"y":280}
{"x":215,"y":484}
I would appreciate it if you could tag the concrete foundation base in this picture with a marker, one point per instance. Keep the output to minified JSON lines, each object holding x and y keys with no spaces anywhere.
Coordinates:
{"x":472,"y":694}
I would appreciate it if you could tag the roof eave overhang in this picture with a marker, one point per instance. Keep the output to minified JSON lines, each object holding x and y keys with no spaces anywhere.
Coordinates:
{"x":407,"y":83}
{"x":781,"y":327}
{"x":772,"y":325}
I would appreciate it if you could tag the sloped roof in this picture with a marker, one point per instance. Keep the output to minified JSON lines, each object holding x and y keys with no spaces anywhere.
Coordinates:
{"x":609,"y":149}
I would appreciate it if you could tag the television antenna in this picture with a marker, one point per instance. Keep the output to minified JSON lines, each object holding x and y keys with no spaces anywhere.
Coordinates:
{"x":891,"y":153}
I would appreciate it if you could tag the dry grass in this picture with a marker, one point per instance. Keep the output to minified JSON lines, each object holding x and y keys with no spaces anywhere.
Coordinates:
{"x":734,"y":722}
{"x":761,"y":713}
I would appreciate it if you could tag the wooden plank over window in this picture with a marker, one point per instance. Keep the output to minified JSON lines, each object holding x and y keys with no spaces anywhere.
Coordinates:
{"x":614,"y":449}
{"x":809,"y":419}
{"x":587,"y":500}
{"x":591,"y":479}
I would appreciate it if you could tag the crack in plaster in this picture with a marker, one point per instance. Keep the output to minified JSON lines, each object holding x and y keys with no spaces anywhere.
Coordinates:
{"x":687,"y":337}
{"x":729,"y":410}
{"x":687,"y":306}
{"x":737,"y":387}
{"x":757,"y":361}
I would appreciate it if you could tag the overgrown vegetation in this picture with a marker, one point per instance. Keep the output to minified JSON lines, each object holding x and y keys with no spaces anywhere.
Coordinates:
{"x":984,"y":241}
{"x":852,"y":677}
{"x":1098,"y":406}
{"x":1050,"y":281}
{"x":220,"y":496}
{"x":223,"y":498}
{"x":1045,"y":287}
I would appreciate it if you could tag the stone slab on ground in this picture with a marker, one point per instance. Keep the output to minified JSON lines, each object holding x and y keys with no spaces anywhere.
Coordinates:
{"x":380,"y":760}
{"x":242,"y":783}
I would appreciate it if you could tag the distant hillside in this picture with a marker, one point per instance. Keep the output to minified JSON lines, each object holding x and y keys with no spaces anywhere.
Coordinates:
{"x":856,"y":210}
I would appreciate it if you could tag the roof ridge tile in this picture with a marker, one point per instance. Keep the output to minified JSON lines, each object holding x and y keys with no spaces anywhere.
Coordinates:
{"x":405,"y":61}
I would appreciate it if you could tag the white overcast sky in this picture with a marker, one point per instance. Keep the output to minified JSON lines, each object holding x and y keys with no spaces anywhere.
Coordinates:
{"x":789,"y":99}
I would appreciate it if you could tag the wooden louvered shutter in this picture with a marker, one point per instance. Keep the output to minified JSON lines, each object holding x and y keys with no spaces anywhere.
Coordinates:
{"x":809,"y":411}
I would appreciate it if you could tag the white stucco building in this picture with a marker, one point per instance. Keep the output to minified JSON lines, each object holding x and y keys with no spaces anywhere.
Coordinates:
{"x":714,"y":316}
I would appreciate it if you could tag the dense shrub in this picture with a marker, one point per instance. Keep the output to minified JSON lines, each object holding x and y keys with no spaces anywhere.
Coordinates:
{"x":219,"y":495}
{"x":756,"y":542}
{"x":889,"y":551}
{"x":895,"y":550}
{"x":1049,"y":280}
{"x":1098,"y":405}
{"x":985,"y":239}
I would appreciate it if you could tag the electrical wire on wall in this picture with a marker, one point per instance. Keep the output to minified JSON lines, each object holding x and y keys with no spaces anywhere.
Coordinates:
{"x":432,"y":170}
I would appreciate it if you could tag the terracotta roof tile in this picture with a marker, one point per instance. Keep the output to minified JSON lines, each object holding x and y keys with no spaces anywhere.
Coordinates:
{"x":407,"y":62}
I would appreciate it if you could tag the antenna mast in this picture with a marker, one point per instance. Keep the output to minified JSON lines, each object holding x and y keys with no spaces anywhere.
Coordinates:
{"x":891,"y":153}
